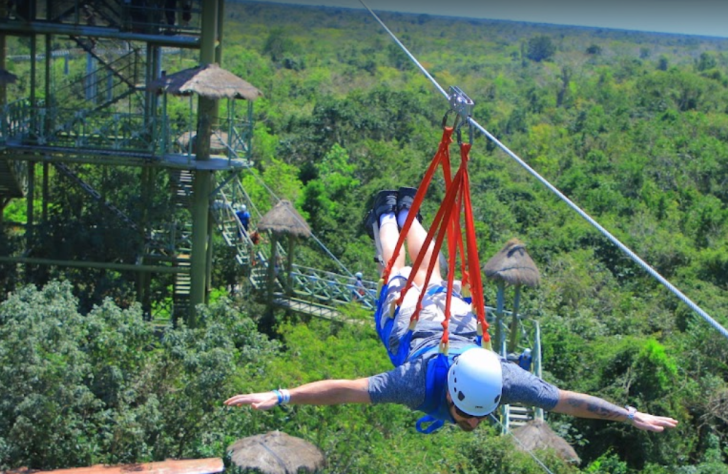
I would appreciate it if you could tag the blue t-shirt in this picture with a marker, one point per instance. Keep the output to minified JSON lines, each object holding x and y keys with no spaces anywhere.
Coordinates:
{"x":244,"y":217}
{"x":406,"y":384}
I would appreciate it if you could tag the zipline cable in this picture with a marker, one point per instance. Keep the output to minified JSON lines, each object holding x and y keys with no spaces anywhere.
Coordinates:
{"x":645,"y":266}
{"x":716,"y":325}
{"x":411,"y":56}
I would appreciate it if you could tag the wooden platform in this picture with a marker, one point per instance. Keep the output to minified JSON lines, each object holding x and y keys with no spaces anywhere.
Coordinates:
{"x":171,"y":466}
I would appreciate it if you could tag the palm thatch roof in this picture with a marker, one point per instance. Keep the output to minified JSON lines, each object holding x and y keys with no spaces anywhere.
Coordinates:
{"x":284,"y":219}
{"x":537,"y":434}
{"x":7,"y":77}
{"x":209,"y":81}
{"x":276,"y":453}
{"x":513,"y":265}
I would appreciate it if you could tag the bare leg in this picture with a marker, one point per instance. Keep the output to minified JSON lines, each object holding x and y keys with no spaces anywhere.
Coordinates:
{"x":415,"y":241}
{"x":388,"y":236}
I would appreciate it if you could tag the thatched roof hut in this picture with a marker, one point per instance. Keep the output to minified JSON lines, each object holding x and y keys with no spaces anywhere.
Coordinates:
{"x":537,"y":434}
{"x":284,"y":219}
{"x":7,"y":77}
{"x":513,"y":265}
{"x":209,"y":81}
{"x":276,"y":453}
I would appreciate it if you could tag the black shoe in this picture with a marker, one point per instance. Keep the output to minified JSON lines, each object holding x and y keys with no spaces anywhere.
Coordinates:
{"x":384,"y":203}
{"x":405,"y":199}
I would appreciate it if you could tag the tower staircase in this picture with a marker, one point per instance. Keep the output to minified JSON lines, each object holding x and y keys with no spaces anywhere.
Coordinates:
{"x":183,"y":280}
{"x":93,"y":13}
{"x":181,"y":239}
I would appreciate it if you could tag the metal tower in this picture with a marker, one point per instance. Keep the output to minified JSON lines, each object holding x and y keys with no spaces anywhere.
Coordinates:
{"x":106,"y":116}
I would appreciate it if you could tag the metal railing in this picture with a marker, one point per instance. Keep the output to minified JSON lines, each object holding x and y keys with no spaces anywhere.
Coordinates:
{"x":530,"y":339}
{"x":104,"y":130}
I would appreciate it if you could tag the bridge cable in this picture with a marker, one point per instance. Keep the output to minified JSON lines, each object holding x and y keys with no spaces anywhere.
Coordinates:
{"x":561,"y":196}
{"x":520,"y":443}
{"x":300,"y":221}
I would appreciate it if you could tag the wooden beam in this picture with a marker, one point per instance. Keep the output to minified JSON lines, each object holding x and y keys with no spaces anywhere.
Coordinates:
{"x":171,"y":466}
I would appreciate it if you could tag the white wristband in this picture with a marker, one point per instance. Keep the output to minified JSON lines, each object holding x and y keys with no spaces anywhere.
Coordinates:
{"x":286,"y":396}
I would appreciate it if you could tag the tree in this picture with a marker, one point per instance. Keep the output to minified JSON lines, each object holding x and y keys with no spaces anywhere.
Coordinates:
{"x":277,"y":45}
{"x":594,"y":50}
{"x":707,"y":61}
{"x":662,"y":63}
{"x":540,"y":48}
{"x":79,"y":389}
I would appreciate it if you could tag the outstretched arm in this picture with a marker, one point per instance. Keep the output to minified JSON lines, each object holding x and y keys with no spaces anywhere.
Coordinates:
{"x":587,"y":406}
{"x":323,"y":392}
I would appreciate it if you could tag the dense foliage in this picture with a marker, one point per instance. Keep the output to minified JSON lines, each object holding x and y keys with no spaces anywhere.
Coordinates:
{"x":630,"y":126}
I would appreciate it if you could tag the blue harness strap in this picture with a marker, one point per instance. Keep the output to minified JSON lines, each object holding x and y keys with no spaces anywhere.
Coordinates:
{"x":436,"y":390}
{"x":435,"y":407}
{"x":385,"y":330}
{"x":434,"y":424}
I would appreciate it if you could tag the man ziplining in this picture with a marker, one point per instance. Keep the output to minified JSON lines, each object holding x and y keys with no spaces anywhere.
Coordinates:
{"x":463,"y":386}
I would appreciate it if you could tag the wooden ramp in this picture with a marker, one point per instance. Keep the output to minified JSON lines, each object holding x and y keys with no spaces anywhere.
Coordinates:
{"x":171,"y":466}
{"x":306,"y":307}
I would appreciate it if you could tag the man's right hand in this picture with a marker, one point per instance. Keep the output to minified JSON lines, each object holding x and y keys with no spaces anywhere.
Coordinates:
{"x":259,"y":401}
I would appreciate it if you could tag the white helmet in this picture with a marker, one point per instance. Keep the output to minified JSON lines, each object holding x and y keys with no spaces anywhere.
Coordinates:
{"x":243,"y":207}
{"x":475,"y":381}
{"x":358,"y":275}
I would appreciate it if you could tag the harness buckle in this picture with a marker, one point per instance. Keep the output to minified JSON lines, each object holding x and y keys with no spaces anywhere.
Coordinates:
{"x":444,"y":347}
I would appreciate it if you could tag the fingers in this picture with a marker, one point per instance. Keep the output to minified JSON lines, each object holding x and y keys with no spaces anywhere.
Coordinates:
{"x":645,"y":421}
{"x":238,"y":400}
{"x":259,"y":401}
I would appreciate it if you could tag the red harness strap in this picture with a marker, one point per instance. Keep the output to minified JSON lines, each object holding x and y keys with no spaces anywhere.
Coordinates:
{"x":447,"y":222}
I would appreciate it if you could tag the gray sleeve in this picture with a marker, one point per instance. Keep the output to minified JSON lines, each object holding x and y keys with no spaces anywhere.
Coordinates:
{"x":404,"y":385}
{"x":521,"y":386}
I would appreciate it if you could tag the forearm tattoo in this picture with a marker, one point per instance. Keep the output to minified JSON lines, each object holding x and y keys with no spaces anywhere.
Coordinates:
{"x":596,"y":407}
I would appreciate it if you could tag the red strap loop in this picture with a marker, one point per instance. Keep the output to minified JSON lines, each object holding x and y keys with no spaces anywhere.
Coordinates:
{"x":455,"y":206}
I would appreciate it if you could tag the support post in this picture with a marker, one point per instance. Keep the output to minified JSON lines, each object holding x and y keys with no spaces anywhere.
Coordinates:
{"x":289,"y":266}
{"x":29,"y":223}
{"x":201,"y":189}
{"x":515,"y":334}
{"x":202,"y":184}
{"x":47,"y":125}
{"x":272,"y":265}
{"x":3,"y":90}
{"x":208,"y":263}
{"x":499,"y":336}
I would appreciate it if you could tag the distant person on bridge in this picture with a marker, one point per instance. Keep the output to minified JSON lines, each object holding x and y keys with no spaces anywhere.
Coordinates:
{"x":471,"y":382}
{"x":359,"y":285}
{"x":243,"y":216}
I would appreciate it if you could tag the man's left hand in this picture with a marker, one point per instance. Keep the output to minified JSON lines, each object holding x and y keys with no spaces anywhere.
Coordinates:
{"x":259,"y":401}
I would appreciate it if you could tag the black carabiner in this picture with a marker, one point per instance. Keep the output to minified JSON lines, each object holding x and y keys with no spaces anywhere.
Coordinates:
{"x":444,"y":119}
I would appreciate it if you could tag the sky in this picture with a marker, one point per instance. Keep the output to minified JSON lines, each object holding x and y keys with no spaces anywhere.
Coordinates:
{"x":692,"y":17}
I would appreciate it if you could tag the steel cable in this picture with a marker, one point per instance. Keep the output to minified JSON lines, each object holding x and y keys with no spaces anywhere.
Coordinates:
{"x":560,"y":195}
